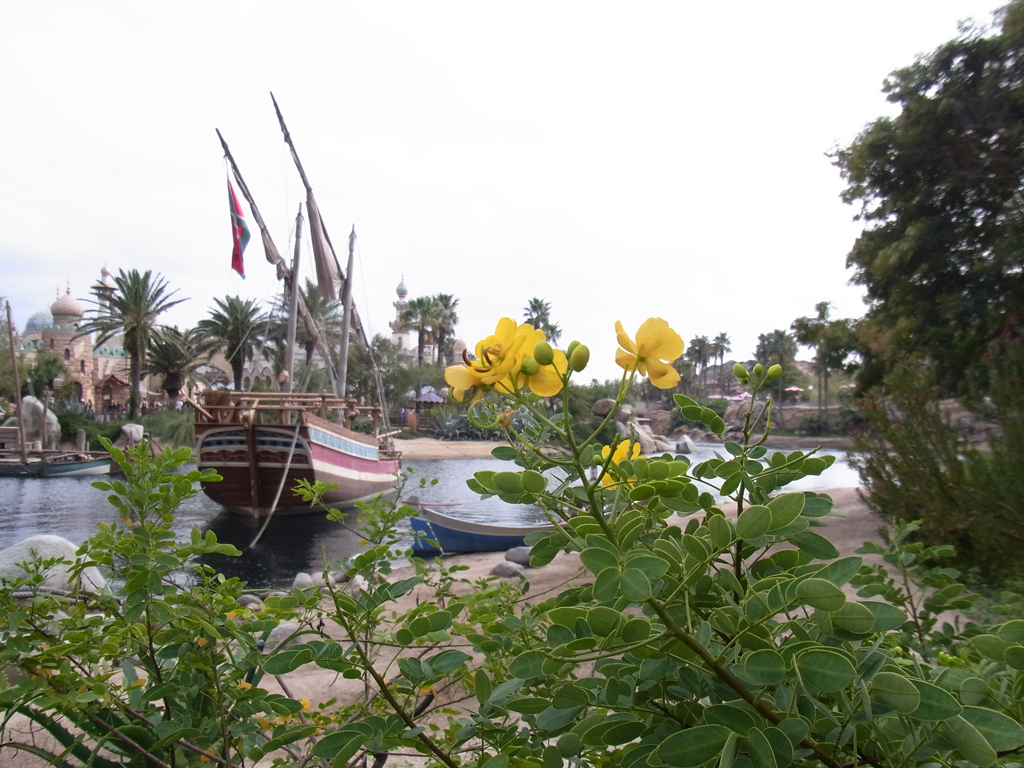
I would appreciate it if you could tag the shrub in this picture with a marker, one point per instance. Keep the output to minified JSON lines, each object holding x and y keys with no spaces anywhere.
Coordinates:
{"x":720,"y":641}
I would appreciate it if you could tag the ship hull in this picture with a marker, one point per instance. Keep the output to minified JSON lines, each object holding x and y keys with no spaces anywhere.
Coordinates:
{"x":252,"y":460}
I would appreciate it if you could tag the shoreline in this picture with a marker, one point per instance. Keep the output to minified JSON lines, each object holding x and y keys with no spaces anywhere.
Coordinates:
{"x":429,"y":448}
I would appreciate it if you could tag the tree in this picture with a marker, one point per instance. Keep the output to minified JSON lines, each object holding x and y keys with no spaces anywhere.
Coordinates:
{"x":722,"y":345}
{"x":421,"y":314}
{"x":177,"y":355}
{"x":939,"y":190}
{"x":809,"y":332}
{"x":537,"y":313}
{"x":698,"y":351}
{"x":776,"y":347}
{"x":446,"y":321}
{"x":234,"y":328}
{"x":46,"y":367}
{"x":131,"y":309}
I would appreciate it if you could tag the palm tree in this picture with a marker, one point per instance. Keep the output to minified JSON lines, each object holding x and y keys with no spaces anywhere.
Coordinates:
{"x":421,"y":314}
{"x":177,"y":356}
{"x":775,"y":347}
{"x":810,"y":332}
{"x":233,"y":327}
{"x":446,"y":321}
{"x":131,"y":309}
{"x":537,"y":313}
{"x":722,"y":345}
{"x":699,"y":352}
{"x":325,"y":313}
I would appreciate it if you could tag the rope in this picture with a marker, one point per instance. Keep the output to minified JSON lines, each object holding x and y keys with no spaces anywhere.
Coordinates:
{"x":280,"y":487}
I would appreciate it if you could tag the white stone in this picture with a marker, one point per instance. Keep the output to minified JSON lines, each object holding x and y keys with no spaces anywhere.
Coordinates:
{"x":520,"y":555}
{"x":46,"y":547}
{"x":302,"y":580}
{"x":507,"y":570}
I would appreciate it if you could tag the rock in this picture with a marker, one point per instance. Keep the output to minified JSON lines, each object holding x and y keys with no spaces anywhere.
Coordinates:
{"x":319,"y":581}
{"x":356,"y":584}
{"x":603,"y":407}
{"x":507,"y":570}
{"x":662,"y":445}
{"x":32,"y":411}
{"x":520,"y":555}
{"x":685,"y":445}
{"x":647,"y":444}
{"x":302,"y":580}
{"x":340,"y":577}
{"x":249,"y":601}
{"x":46,"y":547}
{"x":131,"y":435}
{"x":624,"y":414}
{"x":661,"y":422}
{"x":282,"y":634}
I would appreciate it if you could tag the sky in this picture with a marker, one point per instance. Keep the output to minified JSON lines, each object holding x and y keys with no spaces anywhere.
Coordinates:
{"x":618,"y":160}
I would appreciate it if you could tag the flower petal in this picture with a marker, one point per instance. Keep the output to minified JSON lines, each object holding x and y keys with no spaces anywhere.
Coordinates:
{"x":656,"y":339}
{"x":623,"y":338}
{"x":625,"y":359}
{"x":662,"y":375}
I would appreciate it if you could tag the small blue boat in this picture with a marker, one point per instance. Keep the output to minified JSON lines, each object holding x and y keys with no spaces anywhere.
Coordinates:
{"x":453,"y":535}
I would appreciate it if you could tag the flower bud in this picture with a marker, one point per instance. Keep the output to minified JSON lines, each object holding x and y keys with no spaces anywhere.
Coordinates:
{"x":758,"y":370}
{"x":580,"y":357}
{"x":530,"y":366}
{"x":505,"y":419}
{"x":572,"y":346}
{"x":774,"y":372}
{"x":543,"y":354}
{"x":740,"y":372}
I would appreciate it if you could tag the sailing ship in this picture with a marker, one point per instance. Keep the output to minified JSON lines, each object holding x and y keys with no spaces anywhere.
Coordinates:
{"x":263,"y":443}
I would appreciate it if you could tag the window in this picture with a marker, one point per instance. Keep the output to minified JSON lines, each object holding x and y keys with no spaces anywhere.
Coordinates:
{"x":67,"y":355}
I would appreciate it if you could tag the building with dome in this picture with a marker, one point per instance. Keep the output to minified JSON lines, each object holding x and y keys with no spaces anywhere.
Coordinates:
{"x":99,"y":374}
{"x":403,"y":335}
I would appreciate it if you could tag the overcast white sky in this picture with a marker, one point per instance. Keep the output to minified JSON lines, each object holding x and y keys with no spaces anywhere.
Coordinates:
{"x":619,"y":160}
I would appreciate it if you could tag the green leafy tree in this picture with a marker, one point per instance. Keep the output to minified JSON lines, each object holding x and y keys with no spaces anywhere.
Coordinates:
{"x":776,"y":348}
{"x":39,"y":376}
{"x":423,"y":314}
{"x":131,"y":309}
{"x":177,"y":356}
{"x":721,"y":345}
{"x":446,"y":321}
{"x":699,"y":351}
{"x":939,"y":191}
{"x":537,"y":313}
{"x":234,"y":327}
{"x":810,"y":332}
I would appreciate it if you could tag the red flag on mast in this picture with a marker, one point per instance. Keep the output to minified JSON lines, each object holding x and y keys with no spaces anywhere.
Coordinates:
{"x":239,"y":232}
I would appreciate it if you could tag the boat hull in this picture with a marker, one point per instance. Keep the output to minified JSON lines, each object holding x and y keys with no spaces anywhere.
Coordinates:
{"x":453,"y":535}
{"x":46,"y":466}
{"x":253,"y":459}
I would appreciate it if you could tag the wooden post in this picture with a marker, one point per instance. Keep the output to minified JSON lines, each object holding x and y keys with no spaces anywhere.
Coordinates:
{"x":293,"y":307}
{"x":17,"y":388}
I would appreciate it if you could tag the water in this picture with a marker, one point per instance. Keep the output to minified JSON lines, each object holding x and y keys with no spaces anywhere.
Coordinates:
{"x":71,"y":507}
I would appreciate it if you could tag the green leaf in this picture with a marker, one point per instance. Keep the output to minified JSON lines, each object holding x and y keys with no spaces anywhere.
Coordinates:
{"x":505,"y":453}
{"x":606,"y":585}
{"x":603,"y":620}
{"x":652,"y":566}
{"x":722,"y":534}
{"x":283,"y":662}
{"x":969,"y":741}
{"x":887,"y":616}
{"x":507,"y":482}
{"x":597,"y":559}
{"x":936,"y":704}
{"x":820,"y":594}
{"x":527,"y":665}
{"x":552,"y":719}
{"x":734,"y":718}
{"x":854,"y":617}
{"x":534,"y":482}
{"x":446,"y":661}
{"x":760,"y":751}
{"x":636,"y":630}
{"x":897,"y":691}
{"x":716,"y":425}
{"x":765,"y":666}
{"x":974,"y":690}
{"x":753,"y":522}
{"x":1001,"y":732}
{"x":785,"y":509}
{"x":825,"y":670}
{"x":616,"y":733}
{"x":481,"y":686}
{"x":815,"y":545}
{"x":840,"y":571}
{"x":634,"y":585}
{"x":692,"y":746}
{"x":340,"y":746}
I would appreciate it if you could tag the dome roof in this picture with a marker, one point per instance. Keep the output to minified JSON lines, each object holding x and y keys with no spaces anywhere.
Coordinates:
{"x":38,"y":321}
{"x":401,"y":290}
{"x":67,"y":305}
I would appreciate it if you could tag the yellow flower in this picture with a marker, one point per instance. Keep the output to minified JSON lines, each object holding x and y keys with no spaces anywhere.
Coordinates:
{"x":265,"y":724}
{"x":657,"y":346}
{"x":624,"y":450}
{"x":305,"y":704}
{"x":496,"y":358}
{"x":244,"y":685}
{"x":230,"y":615}
{"x":202,"y":641}
{"x":139,"y":683}
{"x":127,"y":522}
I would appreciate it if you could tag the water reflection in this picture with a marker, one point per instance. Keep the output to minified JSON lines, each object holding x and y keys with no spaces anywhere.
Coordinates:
{"x":71,"y":507}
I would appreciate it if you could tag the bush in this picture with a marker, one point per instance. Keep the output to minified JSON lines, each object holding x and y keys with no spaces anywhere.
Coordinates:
{"x":708,"y":640}
{"x":70,"y":422}
{"x":174,"y":426}
{"x":916,"y":466}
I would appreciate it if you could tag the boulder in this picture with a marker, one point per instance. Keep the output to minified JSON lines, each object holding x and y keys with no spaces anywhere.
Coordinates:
{"x":356,"y":584}
{"x":603,"y":407}
{"x":302,"y":580}
{"x":507,"y":570}
{"x":519,"y":555}
{"x":32,"y":411}
{"x":45,"y":547}
{"x":320,"y":581}
{"x":624,"y":414}
{"x":685,"y":445}
{"x":646,"y":440}
{"x":131,"y":435}
{"x":661,"y":422}
{"x":281,"y":636}
{"x":249,"y":601}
